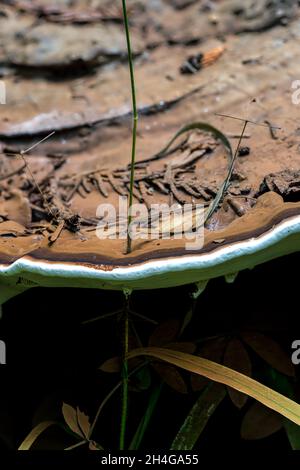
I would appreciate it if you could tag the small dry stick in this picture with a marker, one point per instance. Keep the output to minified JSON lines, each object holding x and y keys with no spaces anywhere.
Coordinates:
{"x":248,"y":120}
{"x":21,"y":154}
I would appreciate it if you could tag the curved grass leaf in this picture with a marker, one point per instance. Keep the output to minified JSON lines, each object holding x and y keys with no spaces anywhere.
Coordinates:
{"x":34,"y":434}
{"x":198,"y":417}
{"x":226,"y":376}
{"x":203,"y":126}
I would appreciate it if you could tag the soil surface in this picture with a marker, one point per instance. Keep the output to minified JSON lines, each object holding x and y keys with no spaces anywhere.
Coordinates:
{"x":65,"y":69}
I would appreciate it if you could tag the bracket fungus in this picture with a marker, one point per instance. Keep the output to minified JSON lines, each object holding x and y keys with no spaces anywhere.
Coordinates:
{"x":41,"y":253}
{"x":48,"y":217}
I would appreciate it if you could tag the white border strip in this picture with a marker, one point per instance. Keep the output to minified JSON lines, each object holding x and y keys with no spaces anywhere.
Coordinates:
{"x":158,"y":267}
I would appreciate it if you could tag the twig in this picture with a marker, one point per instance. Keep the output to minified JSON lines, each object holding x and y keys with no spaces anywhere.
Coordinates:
{"x":110,"y":394}
{"x":103,"y":403}
{"x":57,"y":232}
{"x":244,"y":120}
{"x":101,"y":317}
{"x":226,"y":183}
{"x":37,"y":143}
{"x":79,"y":444}
{"x":22,"y":153}
{"x":272,"y":130}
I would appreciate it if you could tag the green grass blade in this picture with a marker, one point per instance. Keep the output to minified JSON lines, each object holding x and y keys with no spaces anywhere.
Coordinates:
{"x":198,"y":417}
{"x":135,"y":120}
{"x":144,"y":423}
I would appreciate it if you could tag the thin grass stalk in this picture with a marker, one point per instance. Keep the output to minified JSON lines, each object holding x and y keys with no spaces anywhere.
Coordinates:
{"x":125,"y":373}
{"x":134,"y":124}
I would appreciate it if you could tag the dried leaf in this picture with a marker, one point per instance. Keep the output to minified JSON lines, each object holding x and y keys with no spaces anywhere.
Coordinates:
{"x":34,"y":434}
{"x":260,"y":422}
{"x":70,"y":416}
{"x":270,"y":351}
{"x":222,"y":374}
{"x":83,"y":422}
{"x":171,"y":376}
{"x":237,"y":358}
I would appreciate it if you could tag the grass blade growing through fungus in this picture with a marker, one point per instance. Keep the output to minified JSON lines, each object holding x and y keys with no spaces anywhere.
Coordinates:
{"x":203,"y":126}
{"x":135,"y":120}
